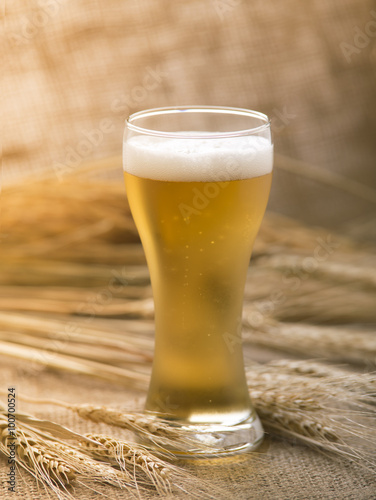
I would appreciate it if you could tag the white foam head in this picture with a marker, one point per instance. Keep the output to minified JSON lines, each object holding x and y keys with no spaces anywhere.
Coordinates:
{"x":202,"y":159}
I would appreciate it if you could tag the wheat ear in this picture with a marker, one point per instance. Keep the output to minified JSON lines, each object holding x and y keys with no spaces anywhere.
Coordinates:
{"x":56,"y":464}
{"x":363,"y":384}
{"x":157,"y":431}
{"x":345,"y":344}
{"x":325,"y":411}
{"x":131,"y":457}
{"x":33,"y":455}
{"x":135,"y":459}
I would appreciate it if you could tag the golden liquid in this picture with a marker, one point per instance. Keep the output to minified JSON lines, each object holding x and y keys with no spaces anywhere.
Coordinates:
{"x":198,"y":238}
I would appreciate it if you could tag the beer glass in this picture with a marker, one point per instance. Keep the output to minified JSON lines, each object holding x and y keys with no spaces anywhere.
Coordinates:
{"x":198,"y":180}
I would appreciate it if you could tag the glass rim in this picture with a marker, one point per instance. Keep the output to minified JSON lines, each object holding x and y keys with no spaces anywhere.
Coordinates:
{"x":198,"y":109}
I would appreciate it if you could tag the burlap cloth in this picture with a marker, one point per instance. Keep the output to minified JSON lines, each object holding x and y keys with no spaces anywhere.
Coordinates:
{"x":74,"y":67}
{"x":281,"y":470}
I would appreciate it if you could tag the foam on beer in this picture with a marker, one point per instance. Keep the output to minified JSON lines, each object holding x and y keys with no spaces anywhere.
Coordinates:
{"x":198,"y":159}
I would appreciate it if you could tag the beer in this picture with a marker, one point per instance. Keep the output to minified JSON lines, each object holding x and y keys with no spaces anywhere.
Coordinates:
{"x":198,"y":204}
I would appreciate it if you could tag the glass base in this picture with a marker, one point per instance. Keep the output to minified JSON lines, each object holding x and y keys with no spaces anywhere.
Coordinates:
{"x":216,"y":440}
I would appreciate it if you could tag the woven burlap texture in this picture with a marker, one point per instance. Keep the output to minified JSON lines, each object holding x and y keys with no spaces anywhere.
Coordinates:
{"x":77,"y":69}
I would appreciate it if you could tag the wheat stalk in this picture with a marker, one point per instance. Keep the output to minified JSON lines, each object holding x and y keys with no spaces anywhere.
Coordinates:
{"x":135,"y":339}
{"x":131,"y":457}
{"x":327,"y":409}
{"x":326,"y":176}
{"x":362,"y":383}
{"x":128,"y":335}
{"x":110,"y":355}
{"x":324,"y":407}
{"x":301,"y":298}
{"x":33,"y":456}
{"x":54,"y":360}
{"x":314,"y":301}
{"x":156,"y":431}
{"x":124,"y":346}
{"x":27,"y":271}
{"x":132,"y":309}
{"x":59,"y":465}
{"x":347,"y":344}
{"x":334,"y":272}
{"x":306,"y":368}
{"x":303,"y":378}
{"x":56,"y":464}
{"x":105,"y":200}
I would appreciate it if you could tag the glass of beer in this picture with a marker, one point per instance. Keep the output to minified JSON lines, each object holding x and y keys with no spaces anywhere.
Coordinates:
{"x":198,"y":180}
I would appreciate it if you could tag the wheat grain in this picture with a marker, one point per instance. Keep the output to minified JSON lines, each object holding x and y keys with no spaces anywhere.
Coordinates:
{"x":155,"y":430}
{"x":329,"y":410}
{"x":290,"y":383}
{"x":160,"y":433}
{"x":58,"y":465}
{"x":331,"y":304}
{"x":326,"y":411}
{"x":306,"y":368}
{"x":33,"y":455}
{"x":362,"y":383}
{"x":135,"y":459}
{"x":131,"y":457}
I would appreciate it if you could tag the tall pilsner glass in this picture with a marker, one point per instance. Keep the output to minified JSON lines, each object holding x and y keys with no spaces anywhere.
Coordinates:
{"x":198,"y":181}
